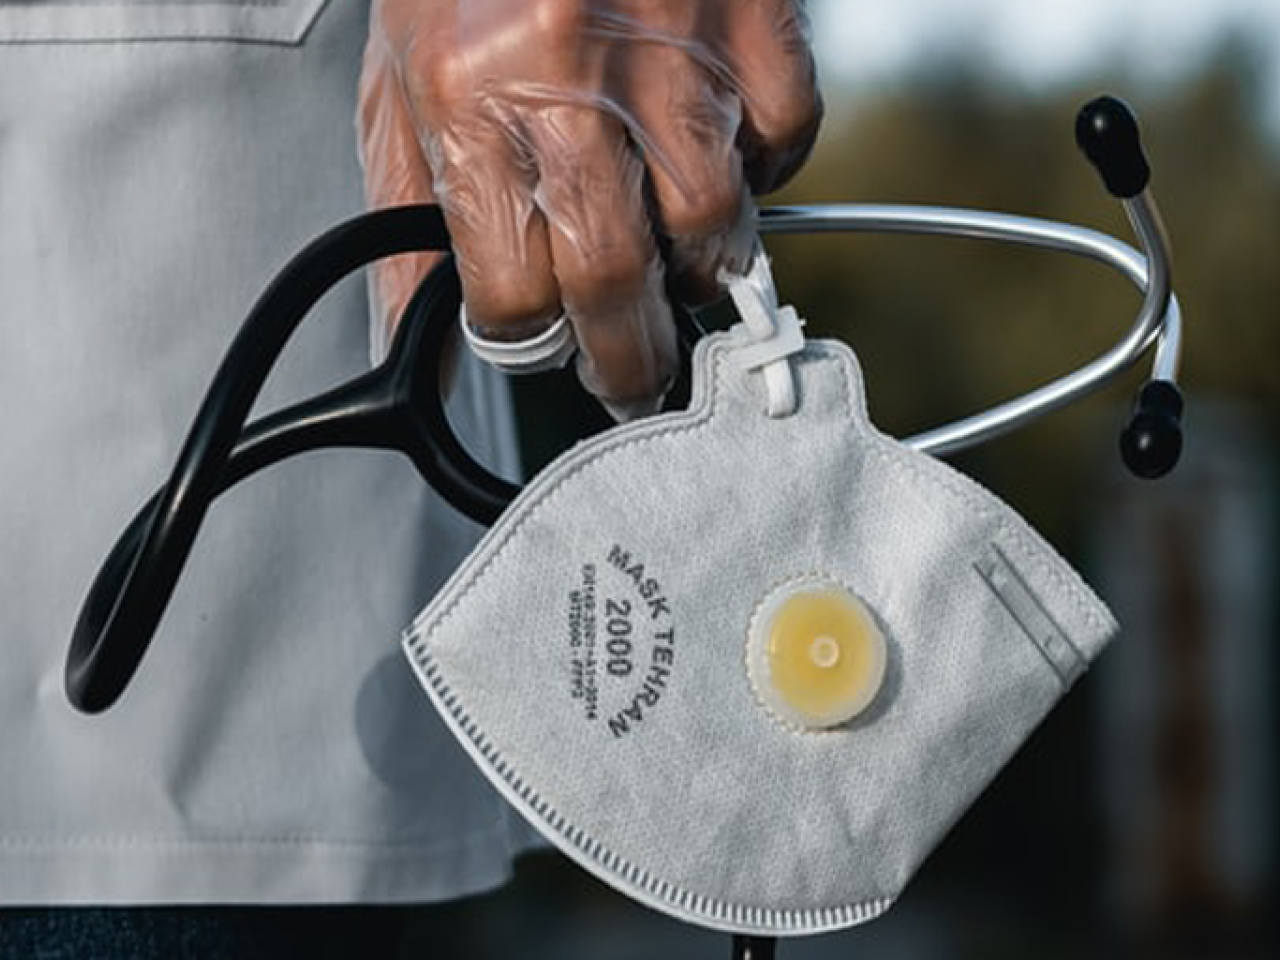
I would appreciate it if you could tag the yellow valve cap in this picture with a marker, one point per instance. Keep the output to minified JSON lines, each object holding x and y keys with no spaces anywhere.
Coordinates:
{"x":815,"y":656}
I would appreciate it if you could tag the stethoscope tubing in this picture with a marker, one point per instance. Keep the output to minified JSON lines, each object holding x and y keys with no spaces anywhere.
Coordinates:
{"x":134,"y":585}
{"x":1158,"y":319}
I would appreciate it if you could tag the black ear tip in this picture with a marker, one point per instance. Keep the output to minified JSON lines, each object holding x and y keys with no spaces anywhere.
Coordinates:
{"x":1104,"y":120}
{"x":1151,"y":448}
{"x":1107,"y":132}
{"x":1151,"y":445}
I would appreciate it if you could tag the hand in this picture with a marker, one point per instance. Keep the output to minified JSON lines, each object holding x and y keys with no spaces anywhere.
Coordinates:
{"x":569,"y":141}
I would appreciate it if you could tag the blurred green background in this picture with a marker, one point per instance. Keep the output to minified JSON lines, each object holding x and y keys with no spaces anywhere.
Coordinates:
{"x":1141,"y":820}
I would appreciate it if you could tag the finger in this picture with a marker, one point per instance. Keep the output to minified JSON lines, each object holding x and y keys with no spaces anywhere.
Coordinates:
{"x":500,"y":236}
{"x":482,"y":176}
{"x":395,"y":173}
{"x":591,"y":189}
{"x":688,"y":127}
{"x":771,"y":61}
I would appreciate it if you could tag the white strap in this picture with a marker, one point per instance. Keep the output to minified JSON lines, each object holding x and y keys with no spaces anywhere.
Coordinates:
{"x":549,"y":350}
{"x":776,"y":333}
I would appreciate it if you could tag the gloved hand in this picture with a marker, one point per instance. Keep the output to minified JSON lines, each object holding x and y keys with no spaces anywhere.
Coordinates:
{"x":569,"y":142}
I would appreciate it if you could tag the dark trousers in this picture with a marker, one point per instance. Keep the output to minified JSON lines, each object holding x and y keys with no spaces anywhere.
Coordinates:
{"x":201,"y":933}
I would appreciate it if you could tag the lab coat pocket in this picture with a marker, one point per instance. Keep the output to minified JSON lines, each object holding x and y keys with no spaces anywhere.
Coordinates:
{"x":87,"y":21}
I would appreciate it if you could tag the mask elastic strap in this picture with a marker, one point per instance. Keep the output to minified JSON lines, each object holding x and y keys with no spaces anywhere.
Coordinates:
{"x":549,"y":350}
{"x":775,"y":333}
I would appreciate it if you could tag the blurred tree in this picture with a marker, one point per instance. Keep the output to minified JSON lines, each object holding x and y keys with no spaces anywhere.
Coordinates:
{"x":946,"y":328}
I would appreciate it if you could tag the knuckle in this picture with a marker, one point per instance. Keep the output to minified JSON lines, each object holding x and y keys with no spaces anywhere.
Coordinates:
{"x":443,"y":80}
{"x":614,"y":270}
{"x":560,"y":20}
{"x":774,"y":156}
{"x":507,"y":303}
{"x":789,"y":121}
{"x":709,"y":209}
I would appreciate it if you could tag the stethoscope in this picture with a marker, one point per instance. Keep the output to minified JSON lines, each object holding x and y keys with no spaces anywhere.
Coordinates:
{"x":398,"y":405}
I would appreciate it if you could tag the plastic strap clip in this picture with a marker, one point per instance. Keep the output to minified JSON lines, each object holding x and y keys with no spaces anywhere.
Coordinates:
{"x":774,"y":334}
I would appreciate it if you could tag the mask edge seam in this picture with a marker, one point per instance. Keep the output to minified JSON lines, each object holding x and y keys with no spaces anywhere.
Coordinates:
{"x":603,"y":862}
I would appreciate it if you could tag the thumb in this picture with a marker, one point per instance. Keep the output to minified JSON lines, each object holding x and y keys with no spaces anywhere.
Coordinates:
{"x":395,"y":174}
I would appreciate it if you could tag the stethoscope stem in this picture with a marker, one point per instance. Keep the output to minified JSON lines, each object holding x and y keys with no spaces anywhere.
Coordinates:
{"x":754,"y":948}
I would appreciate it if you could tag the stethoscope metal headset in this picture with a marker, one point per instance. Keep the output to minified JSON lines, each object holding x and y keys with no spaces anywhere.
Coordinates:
{"x":398,"y":405}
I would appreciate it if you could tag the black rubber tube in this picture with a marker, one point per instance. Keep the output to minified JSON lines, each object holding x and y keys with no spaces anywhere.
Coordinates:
{"x":134,"y":585}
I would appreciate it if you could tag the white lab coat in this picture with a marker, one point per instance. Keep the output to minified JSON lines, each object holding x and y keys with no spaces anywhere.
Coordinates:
{"x":273,"y":747}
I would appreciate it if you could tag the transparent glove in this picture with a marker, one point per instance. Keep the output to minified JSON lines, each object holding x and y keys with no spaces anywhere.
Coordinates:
{"x":584,"y":150}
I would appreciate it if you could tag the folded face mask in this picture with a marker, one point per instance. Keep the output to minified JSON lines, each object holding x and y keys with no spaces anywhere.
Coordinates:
{"x":749,"y":669}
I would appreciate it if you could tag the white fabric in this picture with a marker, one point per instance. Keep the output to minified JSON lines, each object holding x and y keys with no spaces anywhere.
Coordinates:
{"x":591,"y":654}
{"x":273,"y":747}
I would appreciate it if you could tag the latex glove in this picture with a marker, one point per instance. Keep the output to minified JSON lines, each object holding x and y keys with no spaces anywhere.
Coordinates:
{"x":569,"y":141}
